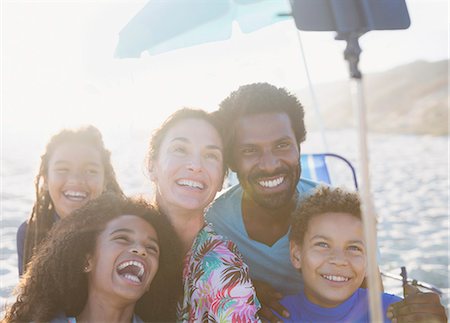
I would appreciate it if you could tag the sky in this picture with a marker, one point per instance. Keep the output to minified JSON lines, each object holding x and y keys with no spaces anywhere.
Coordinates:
{"x":58,"y":68}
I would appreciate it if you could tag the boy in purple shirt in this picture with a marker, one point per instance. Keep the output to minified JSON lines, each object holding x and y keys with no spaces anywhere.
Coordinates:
{"x":327,"y":246}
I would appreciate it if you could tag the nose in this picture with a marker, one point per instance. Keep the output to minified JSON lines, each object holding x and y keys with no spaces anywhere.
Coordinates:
{"x":269,"y":162}
{"x":194,"y":164}
{"x":139,"y":250}
{"x":338,"y":257}
{"x":76,"y":177}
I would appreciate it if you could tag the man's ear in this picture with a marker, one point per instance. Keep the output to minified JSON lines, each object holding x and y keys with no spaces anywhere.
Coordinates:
{"x":295,"y":251}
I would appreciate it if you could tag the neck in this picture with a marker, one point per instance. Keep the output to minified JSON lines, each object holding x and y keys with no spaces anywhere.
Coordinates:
{"x":266,"y":225}
{"x":186,"y":223}
{"x":101,"y":310}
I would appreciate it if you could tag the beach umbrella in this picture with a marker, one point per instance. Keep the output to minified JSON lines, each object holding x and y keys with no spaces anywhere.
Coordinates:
{"x":163,"y":25}
{"x":351,"y":19}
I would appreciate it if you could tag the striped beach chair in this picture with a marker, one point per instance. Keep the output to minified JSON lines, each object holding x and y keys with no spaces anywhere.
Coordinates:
{"x":316,"y":167}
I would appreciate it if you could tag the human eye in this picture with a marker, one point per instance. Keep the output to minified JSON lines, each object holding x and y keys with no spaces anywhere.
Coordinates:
{"x":153,"y":248}
{"x":321,"y":244}
{"x":248,"y":150}
{"x":121,"y":238}
{"x":355,"y":248}
{"x":92,"y":171}
{"x":213,"y":156}
{"x":61,"y":170}
{"x":179,"y":150}
{"x":283,"y":145}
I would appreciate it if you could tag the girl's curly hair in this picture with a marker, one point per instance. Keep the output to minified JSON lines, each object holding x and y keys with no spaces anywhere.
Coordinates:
{"x":55,"y":281}
{"x":42,"y":215}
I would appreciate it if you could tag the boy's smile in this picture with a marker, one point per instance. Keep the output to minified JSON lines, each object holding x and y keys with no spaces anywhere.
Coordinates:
{"x":332,"y":258}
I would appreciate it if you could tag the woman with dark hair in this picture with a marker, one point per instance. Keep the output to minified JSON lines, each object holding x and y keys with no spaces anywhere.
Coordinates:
{"x":97,"y":263}
{"x":186,"y":165}
{"x":75,"y":168}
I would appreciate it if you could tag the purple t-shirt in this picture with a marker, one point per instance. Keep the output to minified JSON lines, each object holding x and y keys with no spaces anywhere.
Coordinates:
{"x":354,"y":309}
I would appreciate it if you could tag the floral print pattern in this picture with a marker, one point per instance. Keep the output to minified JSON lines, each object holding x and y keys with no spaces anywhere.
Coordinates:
{"x":217,"y":285}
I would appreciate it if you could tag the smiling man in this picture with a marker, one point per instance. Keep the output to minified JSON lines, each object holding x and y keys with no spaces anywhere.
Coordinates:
{"x":263,"y":148}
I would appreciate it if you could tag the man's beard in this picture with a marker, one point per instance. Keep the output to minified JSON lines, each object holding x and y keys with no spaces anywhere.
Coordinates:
{"x":274,"y":200}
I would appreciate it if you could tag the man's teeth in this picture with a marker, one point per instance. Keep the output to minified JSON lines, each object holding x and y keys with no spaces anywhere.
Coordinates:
{"x":190,"y":183}
{"x":75,"y":194}
{"x":132,"y":263}
{"x":335,"y":278}
{"x":271,"y":183}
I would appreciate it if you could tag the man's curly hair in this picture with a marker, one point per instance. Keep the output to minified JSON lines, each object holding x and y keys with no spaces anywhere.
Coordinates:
{"x":55,"y":281}
{"x":324,"y":200}
{"x":254,"y":99}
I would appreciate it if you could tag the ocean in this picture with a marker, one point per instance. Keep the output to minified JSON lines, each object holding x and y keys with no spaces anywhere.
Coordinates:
{"x":409,"y":180}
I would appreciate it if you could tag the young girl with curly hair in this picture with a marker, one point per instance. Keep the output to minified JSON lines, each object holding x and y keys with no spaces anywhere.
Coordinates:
{"x":75,"y":168}
{"x":97,"y":264}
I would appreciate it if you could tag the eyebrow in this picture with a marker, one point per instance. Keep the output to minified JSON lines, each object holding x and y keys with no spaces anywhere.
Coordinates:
{"x":62,"y":161}
{"x":185,"y":140}
{"x":318,"y":236}
{"x":283,"y":138}
{"x":125,"y":230}
{"x":357,"y":241}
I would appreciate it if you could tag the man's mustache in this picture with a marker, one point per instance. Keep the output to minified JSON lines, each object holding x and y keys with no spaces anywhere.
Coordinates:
{"x":281,"y":171}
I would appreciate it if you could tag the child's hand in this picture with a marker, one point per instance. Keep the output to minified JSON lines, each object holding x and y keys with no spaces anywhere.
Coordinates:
{"x":270,"y":301}
{"x":417,"y":307}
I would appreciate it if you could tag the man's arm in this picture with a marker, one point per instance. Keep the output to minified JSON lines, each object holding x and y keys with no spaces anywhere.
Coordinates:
{"x":417,"y":307}
{"x":270,"y":302}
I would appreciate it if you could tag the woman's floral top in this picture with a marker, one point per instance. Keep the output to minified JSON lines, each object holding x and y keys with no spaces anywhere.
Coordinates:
{"x":217,"y":285}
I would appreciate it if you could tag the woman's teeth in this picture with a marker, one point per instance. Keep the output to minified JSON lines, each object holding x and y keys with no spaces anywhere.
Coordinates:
{"x":190,"y":183}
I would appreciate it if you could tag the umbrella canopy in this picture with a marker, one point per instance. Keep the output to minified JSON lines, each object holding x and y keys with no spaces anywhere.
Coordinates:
{"x":163,"y":25}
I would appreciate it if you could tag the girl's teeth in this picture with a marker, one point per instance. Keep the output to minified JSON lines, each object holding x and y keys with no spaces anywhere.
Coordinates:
{"x":132,"y":278}
{"x":73,"y":194}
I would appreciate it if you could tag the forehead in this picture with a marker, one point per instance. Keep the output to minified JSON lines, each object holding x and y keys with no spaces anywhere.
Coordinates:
{"x":197,"y":132}
{"x":75,"y":152}
{"x":131,"y":223}
{"x":264,"y":127}
{"x":340,"y":223}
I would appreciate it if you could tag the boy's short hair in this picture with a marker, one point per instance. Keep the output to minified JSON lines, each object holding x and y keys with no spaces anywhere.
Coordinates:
{"x":323,"y":200}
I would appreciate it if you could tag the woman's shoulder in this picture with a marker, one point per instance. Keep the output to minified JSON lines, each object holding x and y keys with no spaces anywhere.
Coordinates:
{"x":219,"y":240}
{"x":209,"y":243}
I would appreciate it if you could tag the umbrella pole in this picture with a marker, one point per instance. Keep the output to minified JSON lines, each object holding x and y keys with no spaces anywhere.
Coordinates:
{"x":313,"y":95}
{"x":351,"y":54}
